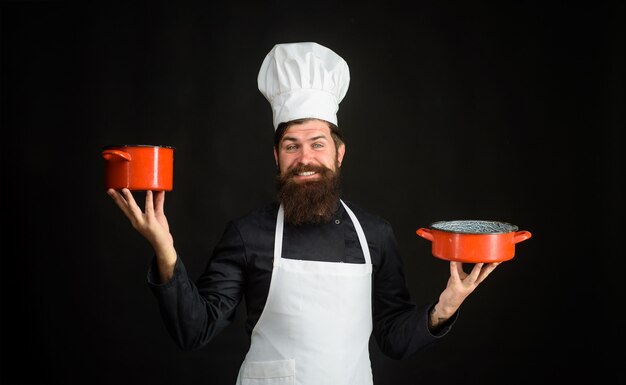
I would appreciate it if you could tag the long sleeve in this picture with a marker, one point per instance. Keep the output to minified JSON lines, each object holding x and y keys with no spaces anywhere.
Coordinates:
{"x":194,"y":313}
{"x":400,"y":326}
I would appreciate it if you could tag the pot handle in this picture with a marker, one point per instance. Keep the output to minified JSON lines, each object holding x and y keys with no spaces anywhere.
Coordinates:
{"x":425,"y":233}
{"x":109,"y":154}
{"x":521,"y":236}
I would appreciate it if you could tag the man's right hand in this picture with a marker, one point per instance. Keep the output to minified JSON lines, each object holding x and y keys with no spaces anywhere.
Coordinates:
{"x":151,"y":224}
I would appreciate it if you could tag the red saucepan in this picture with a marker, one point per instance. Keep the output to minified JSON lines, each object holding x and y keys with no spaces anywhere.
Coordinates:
{"x":139,"y":167}
{"x":473,"y":241}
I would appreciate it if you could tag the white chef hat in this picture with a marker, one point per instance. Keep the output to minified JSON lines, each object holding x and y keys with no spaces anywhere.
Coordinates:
{"x":303,"y":80}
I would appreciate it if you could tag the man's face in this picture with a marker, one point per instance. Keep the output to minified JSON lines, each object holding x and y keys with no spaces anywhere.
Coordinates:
{"x":308,"y":181}
{"x":305,"y":147}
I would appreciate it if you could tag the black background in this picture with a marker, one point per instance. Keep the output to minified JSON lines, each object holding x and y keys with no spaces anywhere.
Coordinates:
{"x":511,"y":111}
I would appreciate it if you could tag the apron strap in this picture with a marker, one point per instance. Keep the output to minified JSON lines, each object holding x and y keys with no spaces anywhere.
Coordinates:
{"x":278,"y":235}
{"x":360,"y":233}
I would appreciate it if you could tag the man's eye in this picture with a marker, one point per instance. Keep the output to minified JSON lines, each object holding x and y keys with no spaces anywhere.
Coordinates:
{"x":291,"y":147}
{"x":318,"y":145}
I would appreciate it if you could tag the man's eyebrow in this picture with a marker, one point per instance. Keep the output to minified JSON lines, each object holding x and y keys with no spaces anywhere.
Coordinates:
{"x":292,"y":139}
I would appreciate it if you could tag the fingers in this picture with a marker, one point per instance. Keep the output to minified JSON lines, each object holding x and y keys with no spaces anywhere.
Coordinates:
{"x":133,"y":209}
{"x":155,"y":202}
{"x":486,"y":270}
{"x":456,"y":268}
{"x":479,"y":272}
{"x":127,"y":204}
{"x":119,"y":201}
{"x":129,"y":197}
{"x":159,"y":202}
{"x":475,"y":273}
{"x":149,"y":203}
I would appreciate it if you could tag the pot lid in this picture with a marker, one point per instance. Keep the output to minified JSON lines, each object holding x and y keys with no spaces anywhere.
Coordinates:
{"x":474,"y":227}
{"x":135,"y":145}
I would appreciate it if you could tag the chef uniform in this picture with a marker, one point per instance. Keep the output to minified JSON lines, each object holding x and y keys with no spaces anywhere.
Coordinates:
{"x":317,"y":319}
{"x":314,"y":324}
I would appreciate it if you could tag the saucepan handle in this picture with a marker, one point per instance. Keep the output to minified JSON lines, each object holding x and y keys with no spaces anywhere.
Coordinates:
{"x":425,"y":233}
{"x":110,"y":154}
{"x":521,"y":236}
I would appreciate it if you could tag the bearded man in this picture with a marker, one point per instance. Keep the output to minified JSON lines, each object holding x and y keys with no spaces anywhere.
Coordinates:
{"x":320,"y":275}
{"x":308,"y":170}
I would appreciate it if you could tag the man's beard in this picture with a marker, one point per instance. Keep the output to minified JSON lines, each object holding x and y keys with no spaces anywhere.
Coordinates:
{"x":309,"y":202}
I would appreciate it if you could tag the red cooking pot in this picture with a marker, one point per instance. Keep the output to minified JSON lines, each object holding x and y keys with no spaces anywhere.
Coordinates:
{"x":139,"y":167}
{"x":473,"y":241}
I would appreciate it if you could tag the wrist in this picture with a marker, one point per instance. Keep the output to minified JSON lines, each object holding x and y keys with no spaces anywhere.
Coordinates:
{"x":442,"y":312}
{"x":438,"y":316}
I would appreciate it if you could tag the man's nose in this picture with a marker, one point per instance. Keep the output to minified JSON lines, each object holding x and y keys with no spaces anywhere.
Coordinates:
{"x":306,"y":155}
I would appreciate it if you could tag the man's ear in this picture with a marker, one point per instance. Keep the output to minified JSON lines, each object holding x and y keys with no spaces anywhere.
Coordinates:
{"x":275,"y":157}
{"x":341,"y":151}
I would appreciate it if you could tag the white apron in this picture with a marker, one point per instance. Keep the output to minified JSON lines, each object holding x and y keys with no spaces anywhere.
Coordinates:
{"x":316,"y":324}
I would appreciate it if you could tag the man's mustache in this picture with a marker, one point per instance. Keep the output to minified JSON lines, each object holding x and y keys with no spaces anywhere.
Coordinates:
{"x":300,"y":168}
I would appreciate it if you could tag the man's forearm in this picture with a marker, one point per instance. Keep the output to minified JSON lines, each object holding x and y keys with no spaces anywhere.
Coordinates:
{"x":166,"y":260}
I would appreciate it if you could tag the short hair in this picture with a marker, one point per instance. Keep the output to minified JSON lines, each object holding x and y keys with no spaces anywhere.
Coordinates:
{"x":335,"y":132}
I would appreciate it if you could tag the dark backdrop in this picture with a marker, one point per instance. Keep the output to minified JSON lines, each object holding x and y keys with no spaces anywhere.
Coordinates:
{"x":510,"y":111}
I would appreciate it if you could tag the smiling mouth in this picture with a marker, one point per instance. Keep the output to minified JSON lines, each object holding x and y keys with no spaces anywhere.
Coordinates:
{"x":302,"y":173}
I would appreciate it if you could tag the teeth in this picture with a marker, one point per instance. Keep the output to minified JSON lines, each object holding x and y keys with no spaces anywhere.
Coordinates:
{"x":306,"y":173}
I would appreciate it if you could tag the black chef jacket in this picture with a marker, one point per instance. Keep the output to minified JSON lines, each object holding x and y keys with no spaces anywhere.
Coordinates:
{"x":241,"y":265}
